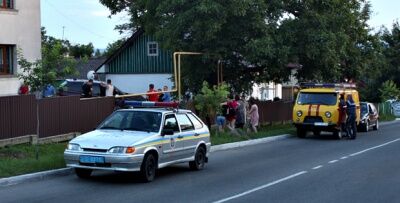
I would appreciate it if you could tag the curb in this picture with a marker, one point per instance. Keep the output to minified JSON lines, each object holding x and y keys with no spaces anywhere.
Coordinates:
{"x":15,"y":180}
{"x":34,"y":176}
{"x":235,"y":145}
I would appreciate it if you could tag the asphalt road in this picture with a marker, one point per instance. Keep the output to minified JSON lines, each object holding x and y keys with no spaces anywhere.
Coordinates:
{"x":315,"y":169}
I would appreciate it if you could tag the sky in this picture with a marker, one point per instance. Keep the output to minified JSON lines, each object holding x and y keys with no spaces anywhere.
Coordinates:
{"x":87,"y":21}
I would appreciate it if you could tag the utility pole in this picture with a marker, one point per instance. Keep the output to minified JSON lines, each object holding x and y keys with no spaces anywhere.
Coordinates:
{"x":63,"y":27}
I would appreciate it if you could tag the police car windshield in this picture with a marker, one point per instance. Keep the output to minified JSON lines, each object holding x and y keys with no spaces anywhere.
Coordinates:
{"x":317,"y":98}
{"x":133,"y":120}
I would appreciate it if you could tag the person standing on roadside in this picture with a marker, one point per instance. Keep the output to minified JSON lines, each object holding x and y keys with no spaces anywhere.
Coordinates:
{"x":152,"y":94}
{"x":253,"y":115}
{"x":342,"y":113}
{"x":109,"y":89}
{"x":87,"y":89}
{"x":351,"y":116}
{"x":49,"y":91}
{"x":160,"y":95}
{"x":167,"y":96}
{"x":24,"y":89}
{"x":240,"y":113}
{"x":232,"y":106}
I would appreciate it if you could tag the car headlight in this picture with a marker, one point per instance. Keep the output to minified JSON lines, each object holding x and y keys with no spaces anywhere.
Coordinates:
{"x":328,"y":114}
{"x":122,"y":150}
{"x":74,"y":147}
{"x":299,"y":113}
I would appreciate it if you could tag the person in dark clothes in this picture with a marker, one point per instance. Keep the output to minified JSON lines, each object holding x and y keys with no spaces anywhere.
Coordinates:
{"x":351,"y":114}
{"x":87,"y":89}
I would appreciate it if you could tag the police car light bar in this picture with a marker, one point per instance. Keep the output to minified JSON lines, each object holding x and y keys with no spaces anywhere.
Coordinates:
{"x":327,"y":85}
{"x":151,"y":104}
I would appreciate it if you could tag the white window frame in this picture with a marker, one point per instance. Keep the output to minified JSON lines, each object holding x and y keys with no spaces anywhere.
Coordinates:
{"x":148,"y":49}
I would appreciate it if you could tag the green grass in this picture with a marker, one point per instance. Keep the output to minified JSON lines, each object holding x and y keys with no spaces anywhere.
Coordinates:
{"x":264,"y":131}
{"x":387,"y":117}
{"x":21,"y":159}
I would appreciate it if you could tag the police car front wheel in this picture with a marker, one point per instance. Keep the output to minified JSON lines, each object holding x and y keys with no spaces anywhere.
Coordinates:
{"x":148,"y":168}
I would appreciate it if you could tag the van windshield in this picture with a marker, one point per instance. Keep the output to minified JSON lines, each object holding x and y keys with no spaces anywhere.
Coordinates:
{"x":305,"y":98}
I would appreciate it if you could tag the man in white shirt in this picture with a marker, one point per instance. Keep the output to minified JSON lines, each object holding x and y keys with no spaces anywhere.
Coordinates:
{"x":109,"y":89}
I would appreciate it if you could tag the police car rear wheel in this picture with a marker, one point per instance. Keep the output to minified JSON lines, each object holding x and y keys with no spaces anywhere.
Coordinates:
{"x":199,"y":160}
{"x":83,"y":173}
{"x":148,"y":168}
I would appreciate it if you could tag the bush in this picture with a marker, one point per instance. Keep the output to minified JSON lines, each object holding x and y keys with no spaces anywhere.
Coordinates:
{"x":208,"y":101}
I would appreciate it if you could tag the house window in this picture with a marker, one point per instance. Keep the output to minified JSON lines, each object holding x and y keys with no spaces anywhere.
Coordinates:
{"x":6,"y":59}
{"x":8,"y":4}
{"x":152,"y":48}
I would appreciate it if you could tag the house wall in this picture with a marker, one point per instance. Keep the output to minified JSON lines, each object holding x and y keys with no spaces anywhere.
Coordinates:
{"x":139,"y":83}
{"x":135,"y":59}
{"x":20,"y":27}
{"x":266,"y":91}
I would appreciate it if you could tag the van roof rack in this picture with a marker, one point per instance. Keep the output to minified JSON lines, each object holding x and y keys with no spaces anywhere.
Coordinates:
{"x":327,"y":85}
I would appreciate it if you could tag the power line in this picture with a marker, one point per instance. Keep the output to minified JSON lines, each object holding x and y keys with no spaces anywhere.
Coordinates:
{"x":76,"y":23}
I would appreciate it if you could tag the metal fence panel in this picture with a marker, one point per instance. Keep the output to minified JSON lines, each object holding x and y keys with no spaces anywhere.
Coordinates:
{"x":5,"y":121}
{"x":23,"y":115}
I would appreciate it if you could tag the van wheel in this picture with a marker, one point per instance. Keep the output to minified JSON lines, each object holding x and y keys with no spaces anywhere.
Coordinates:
{"x":148,"y":168}
{"x":338,"y":134}
{"x":301,"y":133}
{"x":199,"y":160}
{"x":83,"y":173}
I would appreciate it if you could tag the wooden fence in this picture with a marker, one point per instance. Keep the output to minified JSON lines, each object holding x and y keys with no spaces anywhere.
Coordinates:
{"x":58,"y":115}
{"x":62,"y":115}
{"x":279,"y":111}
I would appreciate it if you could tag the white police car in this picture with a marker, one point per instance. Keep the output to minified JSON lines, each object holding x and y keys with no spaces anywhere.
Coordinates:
{"x":141,"y":139}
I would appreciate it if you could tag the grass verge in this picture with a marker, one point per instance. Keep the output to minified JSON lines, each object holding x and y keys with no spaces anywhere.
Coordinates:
{"x":21,"y":159}
{"x":387,"y":117}
{"x":264,"y":131}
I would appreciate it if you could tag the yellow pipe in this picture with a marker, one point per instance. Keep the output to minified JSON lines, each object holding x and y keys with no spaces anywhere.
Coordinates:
{"x":179,"y":78}
{"x":177,"y":75}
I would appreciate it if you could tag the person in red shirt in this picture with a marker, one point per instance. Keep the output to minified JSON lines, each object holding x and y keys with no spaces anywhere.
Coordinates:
{"x":24,"y":89}
{"x":152,"y":94}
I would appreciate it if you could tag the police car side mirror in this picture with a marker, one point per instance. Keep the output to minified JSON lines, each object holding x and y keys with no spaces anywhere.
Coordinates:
{"x":167,"y":132}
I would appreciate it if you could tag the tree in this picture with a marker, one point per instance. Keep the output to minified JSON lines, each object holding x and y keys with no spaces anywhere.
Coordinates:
{"x":327,"y":37}
{"x":257,"y":39}
{"x":389,"y":90}
{"x":234,"y":31}
{"x":81,"y":50}
{"x":98,"y":53}
{"x":54,"y":64}
{"x":113,"y":47}
{"x":391,"y":42}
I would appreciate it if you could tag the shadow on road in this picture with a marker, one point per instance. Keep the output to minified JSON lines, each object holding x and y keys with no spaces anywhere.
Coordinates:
{"x":134,"y":177}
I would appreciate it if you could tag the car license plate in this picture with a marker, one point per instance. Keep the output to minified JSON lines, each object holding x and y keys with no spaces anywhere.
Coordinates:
{"x":320,"y":124}
{"x":91,"y":159}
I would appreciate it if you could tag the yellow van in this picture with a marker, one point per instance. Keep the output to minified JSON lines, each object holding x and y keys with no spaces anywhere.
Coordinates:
{"x":317,"y":107}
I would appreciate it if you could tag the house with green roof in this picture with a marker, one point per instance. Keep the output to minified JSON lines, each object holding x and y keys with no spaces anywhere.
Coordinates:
{"x":137,"y":63}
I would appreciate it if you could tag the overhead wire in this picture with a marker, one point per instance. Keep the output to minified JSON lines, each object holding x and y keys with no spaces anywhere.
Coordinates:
{"x":76,"y":23}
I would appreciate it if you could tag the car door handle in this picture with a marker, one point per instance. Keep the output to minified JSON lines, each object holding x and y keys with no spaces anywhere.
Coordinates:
{"x":180,"y":136}
{"x":196,"y":134}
